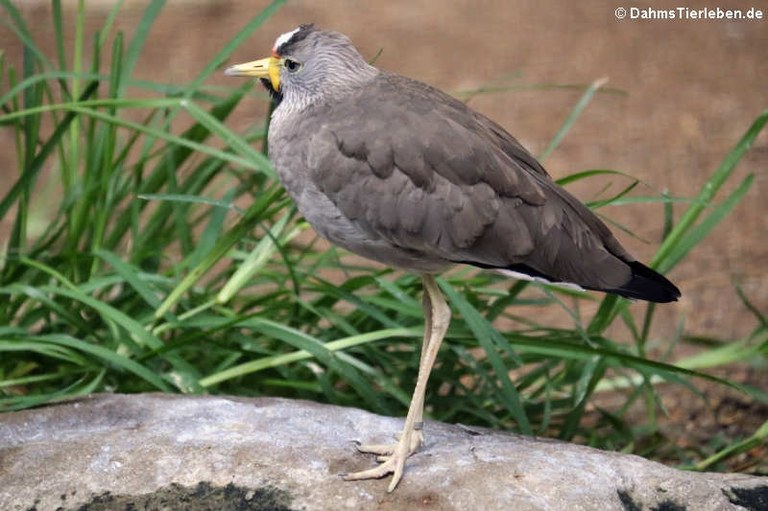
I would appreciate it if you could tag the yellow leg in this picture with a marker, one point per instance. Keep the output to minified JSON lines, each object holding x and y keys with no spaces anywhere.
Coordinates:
{"x":437,"y":316}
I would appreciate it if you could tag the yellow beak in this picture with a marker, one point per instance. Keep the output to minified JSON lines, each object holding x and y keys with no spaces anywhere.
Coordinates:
{"x":263,"y":68}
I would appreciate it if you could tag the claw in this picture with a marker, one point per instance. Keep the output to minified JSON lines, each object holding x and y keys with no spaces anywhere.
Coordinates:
{"x":390,"y":456}
{"x":378,"y":449}
{"x":394,"y":464}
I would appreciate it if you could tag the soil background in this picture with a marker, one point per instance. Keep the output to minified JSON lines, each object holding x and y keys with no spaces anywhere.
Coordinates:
{"x":693,"y":87}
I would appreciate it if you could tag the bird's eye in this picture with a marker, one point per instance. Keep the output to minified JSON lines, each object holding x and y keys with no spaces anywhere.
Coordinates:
{"x":292,"y":65}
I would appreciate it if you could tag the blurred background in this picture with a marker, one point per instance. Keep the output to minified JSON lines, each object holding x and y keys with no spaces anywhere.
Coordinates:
{"x":692,"y":89}
{"x":680,"y":95}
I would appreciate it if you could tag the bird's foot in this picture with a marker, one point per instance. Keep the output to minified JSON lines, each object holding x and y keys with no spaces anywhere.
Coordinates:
{"x":383,"y":451}
{"x":391,"y":456}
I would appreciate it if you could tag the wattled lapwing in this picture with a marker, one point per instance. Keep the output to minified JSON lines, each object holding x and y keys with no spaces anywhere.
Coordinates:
{"x":399,"y":172}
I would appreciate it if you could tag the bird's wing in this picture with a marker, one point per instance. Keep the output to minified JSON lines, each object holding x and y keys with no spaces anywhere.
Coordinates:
{"x":418,"y":168}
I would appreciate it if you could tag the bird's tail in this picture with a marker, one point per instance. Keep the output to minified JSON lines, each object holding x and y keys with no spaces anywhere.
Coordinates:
{"x":647,"y":284}
{"x":644,"y":283}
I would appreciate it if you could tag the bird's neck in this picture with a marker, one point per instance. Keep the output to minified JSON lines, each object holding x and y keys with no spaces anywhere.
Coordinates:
{"x":333,"y":89}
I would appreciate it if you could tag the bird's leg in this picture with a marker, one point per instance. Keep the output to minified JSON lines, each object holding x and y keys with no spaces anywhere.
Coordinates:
{"x":417,"y":438}
{"x":437,"y":316}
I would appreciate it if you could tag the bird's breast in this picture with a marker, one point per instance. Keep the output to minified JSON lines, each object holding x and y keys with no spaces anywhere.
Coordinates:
{"x":288,"y":151}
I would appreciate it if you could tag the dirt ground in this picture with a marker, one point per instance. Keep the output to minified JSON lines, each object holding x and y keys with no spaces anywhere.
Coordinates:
{"x":693,"y":88}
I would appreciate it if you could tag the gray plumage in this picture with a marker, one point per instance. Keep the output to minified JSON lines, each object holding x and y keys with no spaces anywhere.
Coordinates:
{"x":399,"y":172}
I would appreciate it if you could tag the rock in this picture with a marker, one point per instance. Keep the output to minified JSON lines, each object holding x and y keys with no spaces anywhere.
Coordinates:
{"x":151,"y":451}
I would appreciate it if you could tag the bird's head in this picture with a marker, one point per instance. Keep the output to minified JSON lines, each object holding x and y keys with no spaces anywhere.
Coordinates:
{"x":307,"y":64}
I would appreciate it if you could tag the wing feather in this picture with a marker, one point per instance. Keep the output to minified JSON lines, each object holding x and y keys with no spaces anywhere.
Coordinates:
{"x":426,"y":173}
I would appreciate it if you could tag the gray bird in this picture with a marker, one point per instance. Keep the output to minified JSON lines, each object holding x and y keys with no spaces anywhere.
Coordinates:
{"x":399,"y":172}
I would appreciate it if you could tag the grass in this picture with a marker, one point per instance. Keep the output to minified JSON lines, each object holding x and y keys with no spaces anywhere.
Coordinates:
{"x":152,"y":249}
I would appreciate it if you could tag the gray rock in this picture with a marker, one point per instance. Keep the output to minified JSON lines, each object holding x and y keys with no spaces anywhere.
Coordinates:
{"x":109,"y":452}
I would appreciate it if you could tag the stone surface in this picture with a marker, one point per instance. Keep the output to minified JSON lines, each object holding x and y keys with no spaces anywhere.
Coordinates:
{"x":152,"y":451}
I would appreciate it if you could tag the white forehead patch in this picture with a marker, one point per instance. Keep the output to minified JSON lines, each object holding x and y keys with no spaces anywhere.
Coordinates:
{"x":284,"y":38}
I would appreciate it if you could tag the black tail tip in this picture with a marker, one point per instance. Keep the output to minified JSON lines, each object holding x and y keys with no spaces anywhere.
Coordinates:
{"x":647,"y":284}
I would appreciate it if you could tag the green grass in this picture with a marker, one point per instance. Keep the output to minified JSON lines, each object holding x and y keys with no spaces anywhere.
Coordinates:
{"x":130,"y":267}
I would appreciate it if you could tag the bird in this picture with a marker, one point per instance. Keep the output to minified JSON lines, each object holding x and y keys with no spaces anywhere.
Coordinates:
{"x":399,"y":172}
